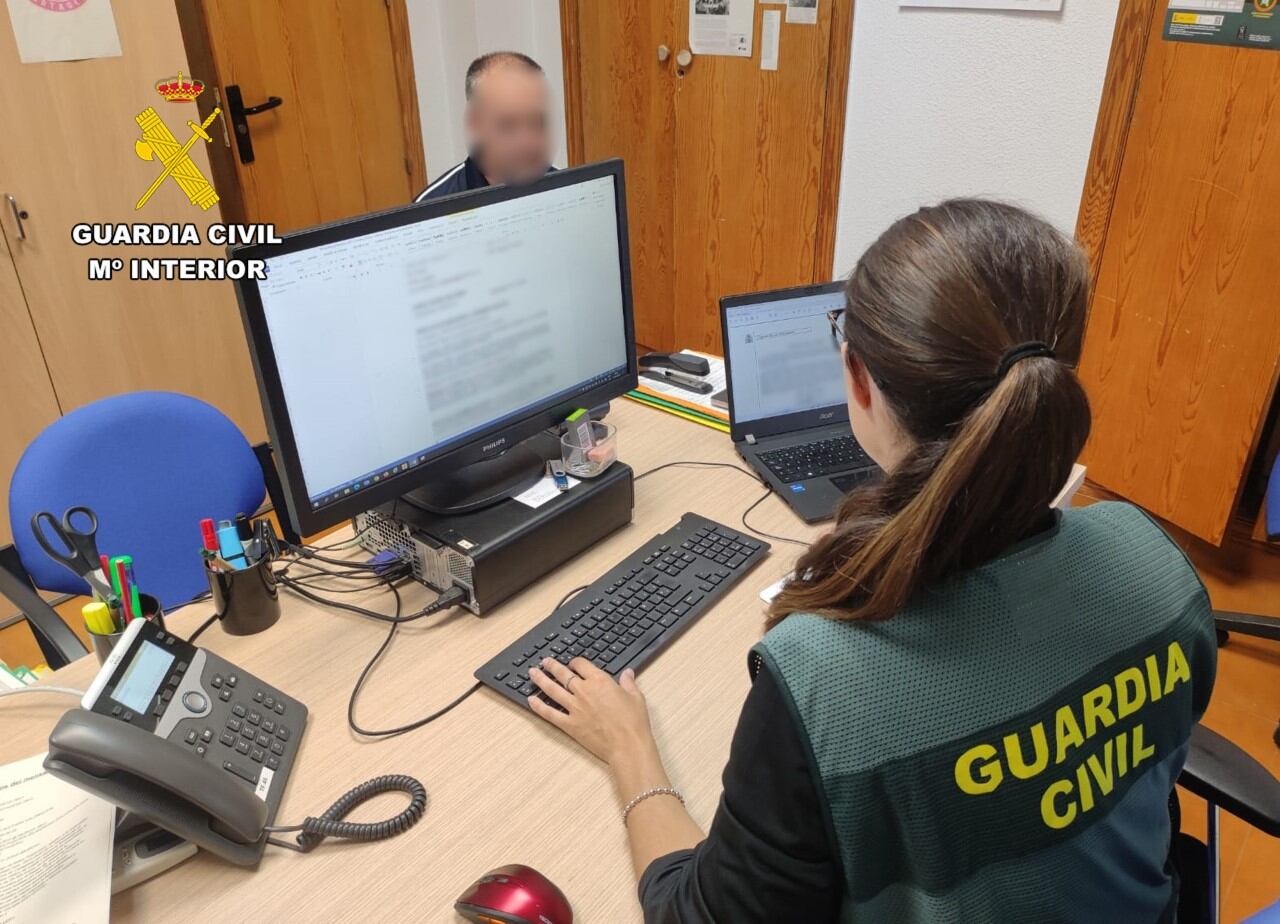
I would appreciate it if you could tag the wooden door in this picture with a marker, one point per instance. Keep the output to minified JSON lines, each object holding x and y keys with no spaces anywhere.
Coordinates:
{"x":624,"y":109}
{"x":68,"y":157}
{"x":750,"y":148}
{"x":1182,"y":350}
{"x":732,"y":171}
{"x":345,"y":138}
{"x":27,"y":401}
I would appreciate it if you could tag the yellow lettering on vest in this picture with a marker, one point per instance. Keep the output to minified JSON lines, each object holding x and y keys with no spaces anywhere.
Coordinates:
{"x":1067,"y":732}
{"x":1097,"y":709}
{"x":1153,"y":677}
{"x":1177,"y":668}
{"x":1122,"y":753}
{"x":1018,"y":765}
{"x":1140,"y":753}
{"x":976,"y":772}
{"x":1049,"y":809}
{"x":1085,"y":788}
{"x":1131,"y":692}
{"x":1102,"y":770}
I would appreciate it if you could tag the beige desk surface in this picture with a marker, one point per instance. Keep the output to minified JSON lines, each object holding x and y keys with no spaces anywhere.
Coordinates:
{"x":503,"y":786}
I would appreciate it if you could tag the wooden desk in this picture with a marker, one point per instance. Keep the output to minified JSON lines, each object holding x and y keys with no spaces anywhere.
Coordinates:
{"x":504,"y":787}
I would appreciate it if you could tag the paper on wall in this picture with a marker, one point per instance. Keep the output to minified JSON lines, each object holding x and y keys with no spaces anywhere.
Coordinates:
{"x":721,"y":27}
{"x":63,"y":30}
{"x":770,"y":30}
{"x":1033,"y":6}
{"x":55,"y":847}
{"x":802,"y":11}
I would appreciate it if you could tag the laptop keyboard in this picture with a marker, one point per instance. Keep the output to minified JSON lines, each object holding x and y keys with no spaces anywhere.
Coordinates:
{"x":812,"y":460}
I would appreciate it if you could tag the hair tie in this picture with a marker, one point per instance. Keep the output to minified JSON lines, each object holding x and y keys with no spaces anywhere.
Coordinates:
{"x":1015,"y":354}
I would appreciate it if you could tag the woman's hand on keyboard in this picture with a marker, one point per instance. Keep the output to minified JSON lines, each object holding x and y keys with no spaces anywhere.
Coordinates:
{"x":609,"y":718}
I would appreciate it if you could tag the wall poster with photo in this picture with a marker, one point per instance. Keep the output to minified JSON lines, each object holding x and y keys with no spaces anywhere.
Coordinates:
{"x":721,"y":27}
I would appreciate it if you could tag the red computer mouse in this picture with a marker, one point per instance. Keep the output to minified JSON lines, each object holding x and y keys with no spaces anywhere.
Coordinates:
{"x":514,"y":895}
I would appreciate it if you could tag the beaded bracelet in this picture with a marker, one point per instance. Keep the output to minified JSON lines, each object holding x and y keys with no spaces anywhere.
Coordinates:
{"x":660,"y":791}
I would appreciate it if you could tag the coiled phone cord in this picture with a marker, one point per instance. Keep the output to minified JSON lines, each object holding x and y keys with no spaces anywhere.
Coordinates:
{"x":330,"y":824}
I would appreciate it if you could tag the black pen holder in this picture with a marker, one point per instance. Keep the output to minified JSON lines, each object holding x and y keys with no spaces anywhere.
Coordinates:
{"x":245,"y":601}
{"x":104,"y":644}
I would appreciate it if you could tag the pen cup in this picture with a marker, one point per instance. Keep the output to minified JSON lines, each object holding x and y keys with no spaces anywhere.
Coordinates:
{"x":104,"y":644}
{"x":589,"y":461}
{"x":245,"y":601}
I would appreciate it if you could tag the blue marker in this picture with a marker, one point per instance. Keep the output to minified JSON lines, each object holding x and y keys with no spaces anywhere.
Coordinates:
{"x":229,"y":544}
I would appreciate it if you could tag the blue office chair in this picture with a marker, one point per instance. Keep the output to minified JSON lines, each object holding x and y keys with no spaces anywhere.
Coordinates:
{"x":151,"y":465}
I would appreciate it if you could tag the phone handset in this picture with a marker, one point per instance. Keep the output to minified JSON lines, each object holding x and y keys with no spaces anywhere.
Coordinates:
{"x":150,"y":776}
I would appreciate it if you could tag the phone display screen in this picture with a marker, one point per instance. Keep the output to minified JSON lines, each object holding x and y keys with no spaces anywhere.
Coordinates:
{"x":142,"y":677}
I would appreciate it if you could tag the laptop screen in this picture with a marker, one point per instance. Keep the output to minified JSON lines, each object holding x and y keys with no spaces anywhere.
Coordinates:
{"x":783,"y":358}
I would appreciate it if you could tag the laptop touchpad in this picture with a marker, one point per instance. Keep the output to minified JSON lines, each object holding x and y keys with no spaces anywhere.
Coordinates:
{"x":846,"y":483}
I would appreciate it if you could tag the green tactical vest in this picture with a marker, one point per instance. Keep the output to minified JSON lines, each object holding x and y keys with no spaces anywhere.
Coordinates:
{"x":1003,"y":749}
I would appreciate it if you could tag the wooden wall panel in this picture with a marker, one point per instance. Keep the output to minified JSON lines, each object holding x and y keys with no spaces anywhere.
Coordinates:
{"x":624,"y":109}
{"x":1119,"y":90}
{"x":1183,"y":345}
{"x":750,"y":146}
{"x":69,"y":157}
{"x":27,"y":401}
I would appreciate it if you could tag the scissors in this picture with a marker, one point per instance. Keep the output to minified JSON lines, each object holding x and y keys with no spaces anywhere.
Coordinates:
{"x":75,"y":548}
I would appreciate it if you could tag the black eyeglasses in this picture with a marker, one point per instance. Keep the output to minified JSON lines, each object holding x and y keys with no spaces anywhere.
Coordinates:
{"x":835,"y":318}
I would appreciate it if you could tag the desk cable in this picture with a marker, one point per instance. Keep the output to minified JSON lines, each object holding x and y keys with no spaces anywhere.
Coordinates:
{"x":67,"y":691}
{"x":737,"y":468}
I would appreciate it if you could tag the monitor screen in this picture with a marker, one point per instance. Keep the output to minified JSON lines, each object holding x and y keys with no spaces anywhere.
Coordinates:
{"x":398,"y":341}
{"x":783,"y":357}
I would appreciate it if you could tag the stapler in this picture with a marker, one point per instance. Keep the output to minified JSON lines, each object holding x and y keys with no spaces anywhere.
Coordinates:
{"x":687,"y":363}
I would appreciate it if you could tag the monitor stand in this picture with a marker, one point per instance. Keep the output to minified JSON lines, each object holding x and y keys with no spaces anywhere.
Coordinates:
{"x":487,"y":482}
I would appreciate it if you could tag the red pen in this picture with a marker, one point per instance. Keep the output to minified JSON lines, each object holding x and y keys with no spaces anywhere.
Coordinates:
{"x":123,"y":576}
{"x":210,"y":535}
{"x":106,"y":567}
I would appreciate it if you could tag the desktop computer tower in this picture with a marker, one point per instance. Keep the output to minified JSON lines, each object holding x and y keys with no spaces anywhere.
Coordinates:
{"x":496,"y":552}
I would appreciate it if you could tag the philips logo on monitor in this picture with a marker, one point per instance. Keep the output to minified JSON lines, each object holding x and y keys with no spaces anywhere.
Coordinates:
{"x":496,"y":444}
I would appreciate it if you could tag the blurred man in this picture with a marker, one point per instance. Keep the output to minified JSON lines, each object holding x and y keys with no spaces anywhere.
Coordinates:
{"x":507,"y":126}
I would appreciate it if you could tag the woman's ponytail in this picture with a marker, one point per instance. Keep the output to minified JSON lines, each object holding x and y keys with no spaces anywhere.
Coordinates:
{"x":969,"y":318}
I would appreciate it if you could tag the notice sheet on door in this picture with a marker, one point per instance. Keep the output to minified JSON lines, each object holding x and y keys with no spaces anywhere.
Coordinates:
{"x":1243,"y":23}
{"x":63,"y":30}
{"x":721,"y":27}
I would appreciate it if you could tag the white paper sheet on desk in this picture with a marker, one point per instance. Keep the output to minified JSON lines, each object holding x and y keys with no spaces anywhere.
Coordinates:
{"x":545,"y":490}
{"x":55,"y":848}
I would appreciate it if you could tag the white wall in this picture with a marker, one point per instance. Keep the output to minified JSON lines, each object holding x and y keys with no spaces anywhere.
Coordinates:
{"x":962,"y":102}
{"x":448,"y":34}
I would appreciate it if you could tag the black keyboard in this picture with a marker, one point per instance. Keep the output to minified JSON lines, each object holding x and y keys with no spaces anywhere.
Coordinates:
{"x":797,"y":463}
{"x":634,"y":609}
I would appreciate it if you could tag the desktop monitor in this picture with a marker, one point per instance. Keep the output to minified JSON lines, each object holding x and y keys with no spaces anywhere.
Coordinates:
{"x":410,"y":352}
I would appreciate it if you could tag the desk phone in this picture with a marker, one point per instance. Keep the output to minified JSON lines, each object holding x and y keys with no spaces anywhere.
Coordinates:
{"x":183,"y":738}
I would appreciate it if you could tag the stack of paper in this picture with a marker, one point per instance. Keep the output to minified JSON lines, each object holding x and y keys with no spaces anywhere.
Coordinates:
{"x":55,"y":848}
{"x":684,"y":403}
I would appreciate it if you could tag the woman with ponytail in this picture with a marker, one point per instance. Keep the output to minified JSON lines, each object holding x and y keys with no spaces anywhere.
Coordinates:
{"x":967,"y":706}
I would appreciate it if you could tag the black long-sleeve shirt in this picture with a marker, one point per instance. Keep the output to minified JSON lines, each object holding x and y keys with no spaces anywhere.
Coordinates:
{"x":768,"y":856}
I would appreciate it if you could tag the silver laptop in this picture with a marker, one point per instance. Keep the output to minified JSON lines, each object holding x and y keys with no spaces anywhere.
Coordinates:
{"x":787,"y":411}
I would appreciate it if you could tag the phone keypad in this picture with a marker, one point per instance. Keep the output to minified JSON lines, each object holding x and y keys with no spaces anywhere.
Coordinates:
{"x":254,"y":729}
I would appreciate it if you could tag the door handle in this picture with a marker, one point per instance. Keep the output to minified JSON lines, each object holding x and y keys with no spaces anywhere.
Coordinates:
{"x":19,"y":215}
{"x":238,"y":112}
{"x":684,"y":57}
{"x":663,"y":53}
